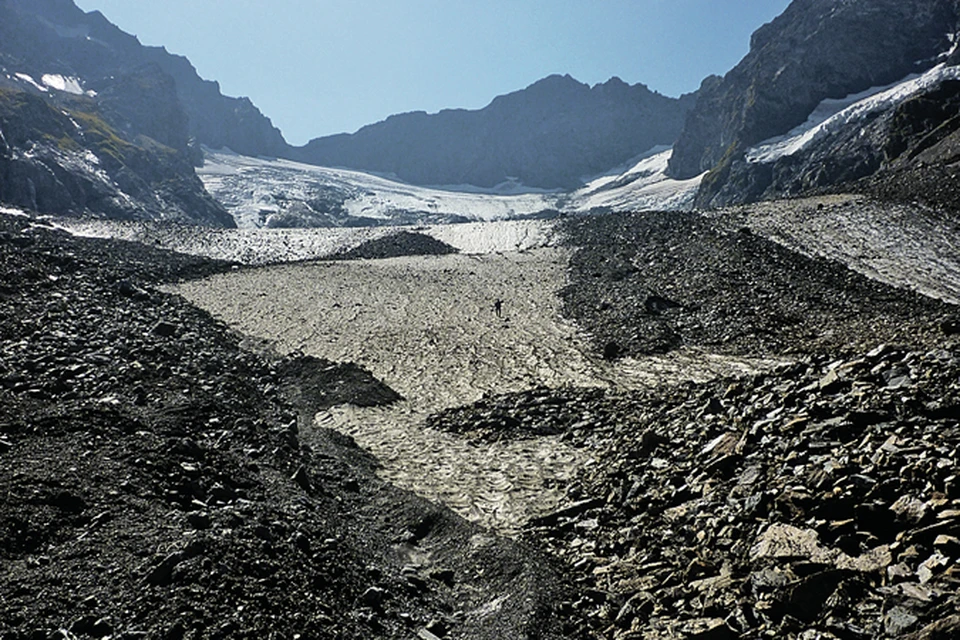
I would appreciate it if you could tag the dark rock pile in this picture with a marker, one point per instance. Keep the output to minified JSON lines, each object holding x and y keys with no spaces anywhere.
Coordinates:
{"x":395,"y":245}
{"x":819,"y":501}
{"x":530,"y":414}
{"x":158,"y":480}
{"x":651,"y":282}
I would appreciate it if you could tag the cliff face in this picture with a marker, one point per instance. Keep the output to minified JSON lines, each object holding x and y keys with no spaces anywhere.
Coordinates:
{"x":907,"y":150}
{"x":63,"y":157}
{"x":90,"y":125}
{"x":548,"y":135}
{"x":817,"y":49}
{"x":56,"y":37}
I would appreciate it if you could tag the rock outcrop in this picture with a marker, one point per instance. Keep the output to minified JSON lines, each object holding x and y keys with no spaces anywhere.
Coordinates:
{"x":904,"y":151}
{"x":816,"y":49}
{"x":62,"y":157}
{"x":90,"y":125}
{"x":551,"y":135}
{"x":56,"y":37}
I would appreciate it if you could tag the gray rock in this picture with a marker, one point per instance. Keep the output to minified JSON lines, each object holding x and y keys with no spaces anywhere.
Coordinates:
{"x":706,"y":629}
{"x":165,"y":329}
{"x":302,"y":478}
{"x":898,"y":621}
{"x":373,"y":597}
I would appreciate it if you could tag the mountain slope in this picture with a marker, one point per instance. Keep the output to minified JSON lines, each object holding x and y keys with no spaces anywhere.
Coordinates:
{"x":817,"y":49}
{"x":56,"y":37}
{"x":68,"y":155}
{"x":92,"y":123}
{"x":550,"y":135}
{"x":900,"y":142}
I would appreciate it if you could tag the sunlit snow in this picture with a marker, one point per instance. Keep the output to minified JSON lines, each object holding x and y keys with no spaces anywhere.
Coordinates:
{"x":14,"y":212}
{"x":836,"y":115}
{"x":29,"y":80}
{"x":62,"y":83}
{"x":54,"y":81}
{"x":644,"y":186}
{"x":255,"y":189}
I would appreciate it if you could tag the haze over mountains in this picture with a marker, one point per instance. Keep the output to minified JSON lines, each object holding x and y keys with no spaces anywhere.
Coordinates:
{"x":96,"y":123}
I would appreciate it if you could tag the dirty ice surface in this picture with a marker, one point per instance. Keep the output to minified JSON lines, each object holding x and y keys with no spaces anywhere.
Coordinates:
{"x":426,"y":326}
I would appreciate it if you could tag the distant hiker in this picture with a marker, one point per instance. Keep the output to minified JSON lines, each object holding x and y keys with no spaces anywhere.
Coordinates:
{"x":498,"y":307}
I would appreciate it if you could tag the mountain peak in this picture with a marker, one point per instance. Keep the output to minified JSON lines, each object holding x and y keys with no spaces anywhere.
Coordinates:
{"x":556,"y":78}
{"x":614,"y":81}
{"x":555,"y":83}
{"x":549,"y":135}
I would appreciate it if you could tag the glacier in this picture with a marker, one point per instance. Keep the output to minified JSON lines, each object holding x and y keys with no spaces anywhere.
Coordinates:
{"x":270,"y":192}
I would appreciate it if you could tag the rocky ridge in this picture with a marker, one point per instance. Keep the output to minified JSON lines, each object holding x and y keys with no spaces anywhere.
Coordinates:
{"x":820,"y":50}
{"x":56,"y":37}
{"x":683,"y":279}
{"x":921,"y":160}
{"x":93,"y":123}
{"x":550,"y":135}
{"x":903,"y":152}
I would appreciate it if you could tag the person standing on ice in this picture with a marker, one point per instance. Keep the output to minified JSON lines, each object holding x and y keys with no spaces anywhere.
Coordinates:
{"x":498,"y":307}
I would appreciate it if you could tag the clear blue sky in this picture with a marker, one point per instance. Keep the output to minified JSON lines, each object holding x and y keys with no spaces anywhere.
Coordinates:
{"x":318,"y":67}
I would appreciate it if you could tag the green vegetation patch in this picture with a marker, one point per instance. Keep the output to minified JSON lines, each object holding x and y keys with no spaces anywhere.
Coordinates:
{"x":102,"y":138}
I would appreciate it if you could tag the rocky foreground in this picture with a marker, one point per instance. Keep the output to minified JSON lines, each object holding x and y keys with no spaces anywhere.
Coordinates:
{"x":818,"y":500}
{"x":162,"y":476}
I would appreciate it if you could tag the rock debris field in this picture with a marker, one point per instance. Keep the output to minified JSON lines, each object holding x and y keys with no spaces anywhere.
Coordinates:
{"x":428,"y":327}
{"x":677,"y":426}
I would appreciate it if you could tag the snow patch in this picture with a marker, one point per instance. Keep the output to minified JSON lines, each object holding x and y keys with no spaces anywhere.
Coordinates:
{"x":512,"y":186}
{"x":484,"y":238}
{"x":251,"y":188}
{"x":63,"y":83}
{"x":271,"y":246}
{"x":20,"y":213}
{"x":29,"y":80}
{"x":644,"y":186}
{"x":837,"y":114}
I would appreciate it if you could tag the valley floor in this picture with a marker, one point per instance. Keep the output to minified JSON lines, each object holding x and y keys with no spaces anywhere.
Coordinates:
{"x":428,"y":327}
{"x":712,"y":425}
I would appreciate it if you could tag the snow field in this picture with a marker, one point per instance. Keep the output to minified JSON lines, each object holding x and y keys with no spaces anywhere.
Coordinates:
{"x":832,"y":115}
